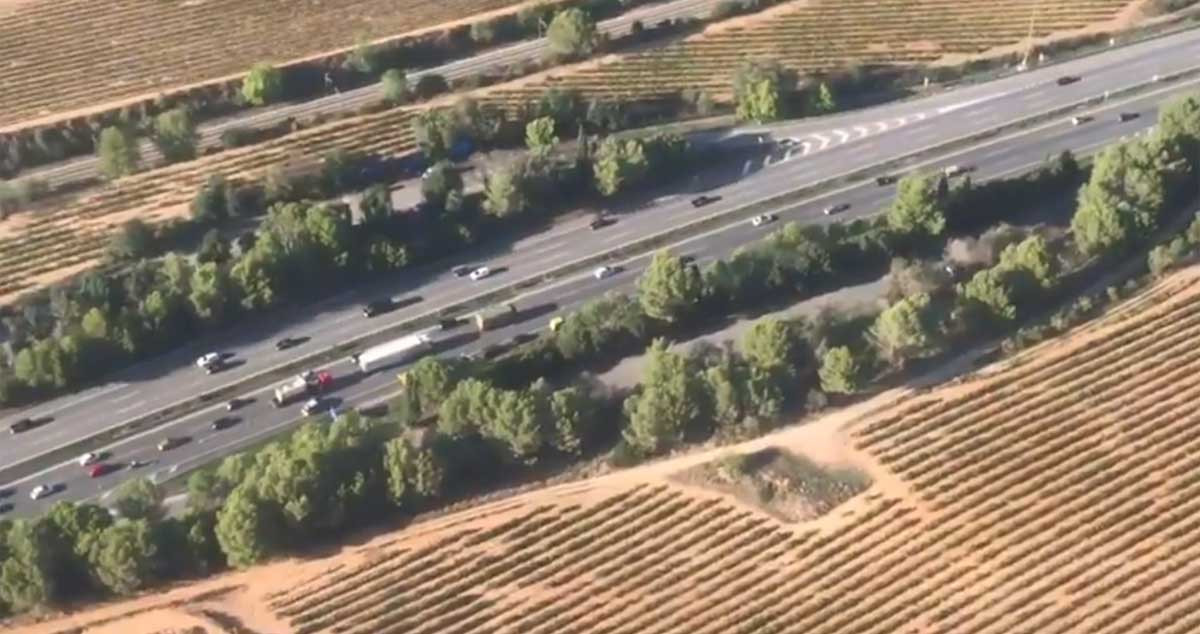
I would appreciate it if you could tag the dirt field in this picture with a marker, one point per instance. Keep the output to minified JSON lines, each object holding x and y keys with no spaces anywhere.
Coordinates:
{"x":1053,"y":493}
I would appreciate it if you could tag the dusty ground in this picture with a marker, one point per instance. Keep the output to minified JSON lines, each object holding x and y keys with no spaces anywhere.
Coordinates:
{"x":968,"y":482}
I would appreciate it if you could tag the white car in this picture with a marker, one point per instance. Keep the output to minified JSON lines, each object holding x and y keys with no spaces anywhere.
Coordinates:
{"x":310,"y":406}
{"x":207,"y":361}
{"x":89,"y":458}
{"x":480,"y":273}
{"x":762,"y":219}
{"x":603,"y":272}
{"x":40,"y":491}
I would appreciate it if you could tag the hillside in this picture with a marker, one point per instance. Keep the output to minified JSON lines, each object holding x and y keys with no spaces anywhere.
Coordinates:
{"x":1053,"y":493}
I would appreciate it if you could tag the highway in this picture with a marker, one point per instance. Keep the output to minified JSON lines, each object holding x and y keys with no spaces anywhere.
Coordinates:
{"x":85,"y":168}
{"x":259,"y":419}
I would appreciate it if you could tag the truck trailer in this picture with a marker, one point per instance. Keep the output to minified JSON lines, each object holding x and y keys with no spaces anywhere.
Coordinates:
{"x":300,"y":386}
{"x":495,"y":317}
{"x":399,"y":350}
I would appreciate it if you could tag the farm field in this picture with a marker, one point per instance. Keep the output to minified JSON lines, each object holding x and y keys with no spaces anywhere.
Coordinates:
{"x":62,"y":55}
{"x":1056,"y":492}
{"x":823,"y":35}
{"x":39,"y":249}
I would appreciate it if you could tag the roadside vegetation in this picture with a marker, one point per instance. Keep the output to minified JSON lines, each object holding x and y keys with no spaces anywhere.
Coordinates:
{"x":460,"y":425}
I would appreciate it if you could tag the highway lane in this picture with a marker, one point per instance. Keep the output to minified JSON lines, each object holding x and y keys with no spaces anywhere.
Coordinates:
{"x":259,"y":420}
{"x":171,"y":378}
{"x":86,"y":167}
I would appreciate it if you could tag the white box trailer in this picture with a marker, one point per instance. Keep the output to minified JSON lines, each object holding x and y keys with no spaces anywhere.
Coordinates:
{"x":405,"y":348}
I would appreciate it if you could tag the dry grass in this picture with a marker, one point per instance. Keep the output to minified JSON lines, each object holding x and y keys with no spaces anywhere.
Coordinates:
{"x":1058,"y":494}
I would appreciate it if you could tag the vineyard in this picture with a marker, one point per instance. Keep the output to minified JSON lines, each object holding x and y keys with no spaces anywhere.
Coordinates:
{"x":61,"y":55}
{"x":825,"y":35}
{"x":40,"y":249}
{"x":1059,"y":494}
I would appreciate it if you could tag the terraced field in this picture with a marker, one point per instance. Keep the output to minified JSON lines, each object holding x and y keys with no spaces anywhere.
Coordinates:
{"x":823,"y":35}
{"x":1059,"y":494}
{"x":60,"y":55}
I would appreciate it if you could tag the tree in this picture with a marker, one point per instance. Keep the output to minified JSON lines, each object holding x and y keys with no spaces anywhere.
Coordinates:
{"x":464,"y":409}
{"x":1031,"y":255}
{"x":426,"y":384}
{"x":124,"y":556}
{"x":1179,"y":123}
{"x":619,"y":164}
{"x":758,"y":92}
{"x":518,"y":419}
{"x":726,"y":379}
{"x":210,"y":292}
{"x":900,"y":331}
{"x":668,"y":405}
{"x":1122,"y":200}
{"x":134,"y":241}
{"x":118,"y":152}
{"x":213,"y":248}
{"x":989,"y":291}
{"x":175,"y":135}
{"x":212,"y":200}
{"x":1164,"y":257}
{"x":917,"y":209}
{"x":396,"y":90}
{"x":435,"y":131}
{"x":840,"y":371}
{"x":823,"y":101}
{"x":262,"y":85}
{"x":572,"y":34}
{"x":413,"y":474}
{"x":246,"y":528}
{"x":27,"y":578}
{"x":669,"y":289}
{"x":439,"y":182}
{"x":539,"y":136}
{"x":139,"y":499}
{"x":573,"y":414}
{"x":773,"y":345}
{"x":505,"y":191}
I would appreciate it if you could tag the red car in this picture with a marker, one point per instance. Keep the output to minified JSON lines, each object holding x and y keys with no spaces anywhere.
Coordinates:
{"x":99,"y":469}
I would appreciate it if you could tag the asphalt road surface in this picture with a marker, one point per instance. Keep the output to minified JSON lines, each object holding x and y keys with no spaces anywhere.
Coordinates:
{"x":259,"y":419}
{"x":86,"y":167}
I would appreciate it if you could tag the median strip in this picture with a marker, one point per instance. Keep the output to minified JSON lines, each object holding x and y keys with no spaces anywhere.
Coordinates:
{"x":266,"y":377}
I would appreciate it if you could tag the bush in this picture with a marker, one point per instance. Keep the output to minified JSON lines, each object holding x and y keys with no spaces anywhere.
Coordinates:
{"x":262,"y":85}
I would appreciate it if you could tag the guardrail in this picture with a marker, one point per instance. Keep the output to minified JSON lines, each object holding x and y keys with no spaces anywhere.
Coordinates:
{"x":268,"y":376}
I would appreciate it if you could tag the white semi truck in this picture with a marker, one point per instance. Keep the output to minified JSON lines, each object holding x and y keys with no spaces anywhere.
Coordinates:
{"x":301,"y":386}
{"x":405,"y":348}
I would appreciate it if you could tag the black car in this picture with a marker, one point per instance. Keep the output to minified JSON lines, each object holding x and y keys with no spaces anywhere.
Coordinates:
{"x":285,"y":343}
{"x":23,"y":425}
{"x":224,"y":422}
{"x":1067,"y":80}
{"x":600,"y":222}
{"x":449,"y":323}
{"x":1127,"y":116}
{"x":377,"y":307}
{"x":7,"y":492}
{"x":462,"y":270}
{"x":883,"y":181}
{"x":701,"y":201}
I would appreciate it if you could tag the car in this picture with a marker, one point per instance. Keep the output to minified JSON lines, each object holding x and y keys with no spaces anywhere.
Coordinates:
{"x":100,"y":470}
{"x":88,"y":458}
{"x":6,"y":507}
{"x":208,"y":361}
{"x":22,"y":425}
{"x":1067,"y":80}
{"x":701,"y":201}
{"x":1080,"y":119}
{"x":449,"y":323}
{"x":836,"y":209}
{"x":310,"y":406}
{"x":1128,"y":116}
{"x":600,"y":222}
{"x":885,"y":180}
{"x":40,"y":491}
{"x":603,"y":272}
{"x":138,"y":464}
{"x":762,"y":219}
{"x":7,"y":492}
{"x":461,"y":270}
{"x":233,"y":404}
{"x":167,"y":444}
{"x":286,"y":342}
{"x":377,"y":307}
{"x":954,"y":170}
{"x":522,"y":338}
{"x":224,"y":422}
{"x":480,"y":273}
